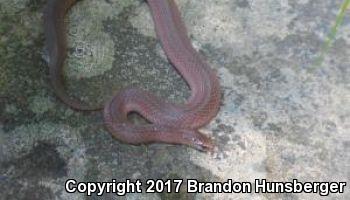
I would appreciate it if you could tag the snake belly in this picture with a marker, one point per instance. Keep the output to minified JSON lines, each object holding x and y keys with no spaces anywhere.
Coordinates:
{"x":170,"y":123}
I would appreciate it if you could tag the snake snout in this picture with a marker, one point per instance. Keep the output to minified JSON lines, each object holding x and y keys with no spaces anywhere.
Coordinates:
{"x":199,"y":141}
{"x":206,"y":146}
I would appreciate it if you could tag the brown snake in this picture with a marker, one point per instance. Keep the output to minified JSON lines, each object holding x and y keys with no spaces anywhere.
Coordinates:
{"x":170,"y":123}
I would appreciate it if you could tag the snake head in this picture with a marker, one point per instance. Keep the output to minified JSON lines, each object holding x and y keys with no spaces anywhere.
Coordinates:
{"x":199,"y":141}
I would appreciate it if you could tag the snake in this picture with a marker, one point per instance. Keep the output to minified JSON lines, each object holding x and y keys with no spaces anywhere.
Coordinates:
{"x":169,"y":122}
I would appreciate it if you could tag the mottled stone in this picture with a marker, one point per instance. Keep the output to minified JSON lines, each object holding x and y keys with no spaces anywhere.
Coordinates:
{"x":285,"y":112}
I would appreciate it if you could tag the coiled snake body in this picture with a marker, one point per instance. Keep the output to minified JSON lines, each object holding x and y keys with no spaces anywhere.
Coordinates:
{"x":170,"y":123}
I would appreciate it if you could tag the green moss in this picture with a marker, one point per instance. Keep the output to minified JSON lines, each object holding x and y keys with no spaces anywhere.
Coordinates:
{"x":19,"y":55}
{"x":40,"y":104}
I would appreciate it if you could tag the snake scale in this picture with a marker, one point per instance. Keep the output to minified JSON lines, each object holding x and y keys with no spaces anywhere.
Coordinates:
{"x":169,"y":122}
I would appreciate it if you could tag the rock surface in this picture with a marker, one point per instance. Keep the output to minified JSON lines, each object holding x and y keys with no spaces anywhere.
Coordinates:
{"x":286,"y":96}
